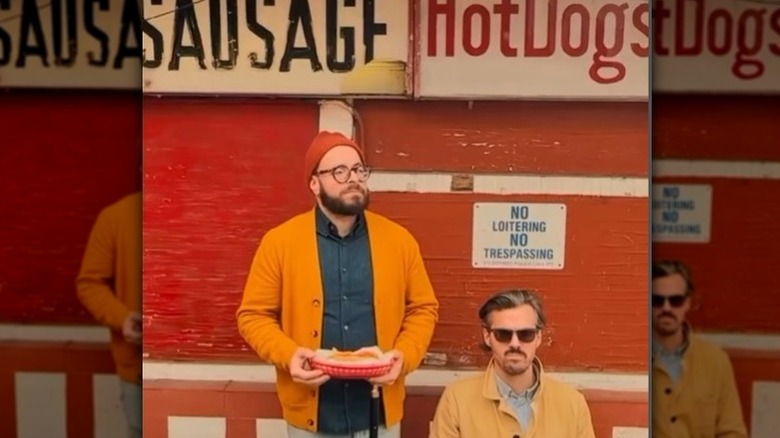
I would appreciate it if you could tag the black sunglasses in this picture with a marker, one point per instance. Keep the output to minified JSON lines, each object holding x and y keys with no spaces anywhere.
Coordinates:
{"x":674,"y":300}
{"x":505,"y":335}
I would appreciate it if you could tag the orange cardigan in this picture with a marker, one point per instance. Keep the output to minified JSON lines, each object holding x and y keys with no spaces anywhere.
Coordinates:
{"x":109,"y":281}
{"x":282,"y":307}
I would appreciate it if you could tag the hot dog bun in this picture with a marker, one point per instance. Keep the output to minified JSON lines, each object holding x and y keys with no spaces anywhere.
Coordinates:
{"x":352,"y":356}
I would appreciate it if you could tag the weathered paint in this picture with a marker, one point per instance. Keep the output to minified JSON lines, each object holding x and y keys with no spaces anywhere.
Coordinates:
{"x":81,"y":154}
{"x":218,"y":175}
{"x":212,"y":189}
{"x":575,"y":138}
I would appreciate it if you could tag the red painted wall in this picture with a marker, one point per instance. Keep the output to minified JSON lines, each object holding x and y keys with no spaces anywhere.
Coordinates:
{"x":218,"y":175}
{"x":64,"y":155}
{"x":221,"y":172}
{"x":735,"y":274}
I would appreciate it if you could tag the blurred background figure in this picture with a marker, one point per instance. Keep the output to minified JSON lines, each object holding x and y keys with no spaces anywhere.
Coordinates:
{"x":694,"y":391}
{"x":109,"y":286}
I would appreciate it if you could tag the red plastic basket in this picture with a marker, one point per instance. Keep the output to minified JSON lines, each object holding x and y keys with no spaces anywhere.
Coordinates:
{"x":352,"y":370}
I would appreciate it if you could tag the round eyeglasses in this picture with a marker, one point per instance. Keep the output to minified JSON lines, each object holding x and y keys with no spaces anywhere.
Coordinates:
{"x":342,"y":173}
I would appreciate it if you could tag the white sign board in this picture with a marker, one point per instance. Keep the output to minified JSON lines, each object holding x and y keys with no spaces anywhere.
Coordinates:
{"x":722,"y":46}
{"x":286,"y":47}
{"x":681,"y":213}
{"x":73,"y":44}
{"x":572,"y":49}
{"x":519,"y":236}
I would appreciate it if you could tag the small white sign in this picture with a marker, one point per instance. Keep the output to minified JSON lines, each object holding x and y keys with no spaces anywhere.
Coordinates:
{"x":681,"y":213}
{"x":73,"y":44}
{"x":285,"y":47}
{"x":572,"y":49}
{"x":518,"y":235}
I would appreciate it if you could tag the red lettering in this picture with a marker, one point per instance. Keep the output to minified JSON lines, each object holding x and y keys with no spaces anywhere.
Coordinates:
{"x":530,"y":29}
{"x":679,"y":40}
{"x":713,"y":31}
{"x":506,"y":9}
{"x":484,"y":38}
{"x":584,"y":29}
{"x":722,"y":31}
{"x":448,"y":10}
{"x":566,"y":25}
{"x":660,"y":13}
{"x":744,"y":67}
{"x":774,"y":23}
{"x":643,"y":27}
{"x":603,"y":51}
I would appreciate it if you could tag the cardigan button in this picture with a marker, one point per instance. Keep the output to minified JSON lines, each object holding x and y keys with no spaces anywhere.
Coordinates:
{"x":314,"y":333}
{"x":316,"y":303}
{"x":310,"y":422}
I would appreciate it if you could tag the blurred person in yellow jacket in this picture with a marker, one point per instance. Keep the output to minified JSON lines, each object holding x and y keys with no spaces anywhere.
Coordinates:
{"x":337,"y":276}
{"x":514,"y":397}
{"x":694,"y":390}
{"x":109,"y":287}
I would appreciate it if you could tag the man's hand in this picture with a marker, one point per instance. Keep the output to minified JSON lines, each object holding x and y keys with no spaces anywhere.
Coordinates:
{"x":395,"y":371}
{"x":300,"y":369}
{"x":131,"y":328}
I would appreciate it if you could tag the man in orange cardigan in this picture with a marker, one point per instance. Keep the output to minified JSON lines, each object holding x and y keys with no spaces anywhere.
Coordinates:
{"x":109,"y":287}
{"x":337,"y":276}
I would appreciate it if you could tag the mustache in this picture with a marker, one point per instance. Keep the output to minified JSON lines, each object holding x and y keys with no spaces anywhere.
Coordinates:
{"x":667,"y":314}
{"x":354,"y":187}
{"x":515,"y":350}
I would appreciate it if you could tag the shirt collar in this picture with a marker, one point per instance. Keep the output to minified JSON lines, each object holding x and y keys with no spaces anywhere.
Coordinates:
{"x":505,"y":391}
{"x":661,"y":351}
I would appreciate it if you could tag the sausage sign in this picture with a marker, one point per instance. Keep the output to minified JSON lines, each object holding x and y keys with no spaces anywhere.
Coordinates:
{"x":454,"y":49}
{"x":290,"y":47}
{"x":70,"y":43}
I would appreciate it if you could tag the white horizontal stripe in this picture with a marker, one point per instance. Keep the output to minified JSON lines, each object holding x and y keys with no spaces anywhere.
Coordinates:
{"x":430,"y":182}
{"x":53,"y":333}
{"x":717,"y":169}
{"x":763,"y":342}
{"x":630,"y":432}
{"x":262,"y":373}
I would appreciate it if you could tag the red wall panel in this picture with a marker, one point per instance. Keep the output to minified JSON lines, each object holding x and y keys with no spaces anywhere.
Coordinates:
{"x":574,"y":138}
{"x":219,"y":174}
{"x":716,"y":127}
{"x":63,"y":157}
{"x":596,"y":305}
{"x":735,"y":274}
{"x":736,"y":289}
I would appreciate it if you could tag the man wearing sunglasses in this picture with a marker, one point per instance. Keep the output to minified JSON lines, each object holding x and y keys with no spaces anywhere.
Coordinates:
{"x":514,"y":397}
{"x":694,"y":392}
{"x":319,"y":280}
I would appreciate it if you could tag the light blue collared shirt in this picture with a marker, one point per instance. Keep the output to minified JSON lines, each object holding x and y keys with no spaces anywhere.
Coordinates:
{"x":520,"y":403}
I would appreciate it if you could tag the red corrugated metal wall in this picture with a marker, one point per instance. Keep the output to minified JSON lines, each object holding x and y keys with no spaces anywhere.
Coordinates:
{"x":64,"y":155}
{"x":221,"y":172}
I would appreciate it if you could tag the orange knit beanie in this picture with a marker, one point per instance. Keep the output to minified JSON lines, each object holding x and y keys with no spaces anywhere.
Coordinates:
{"x":322,"y":143}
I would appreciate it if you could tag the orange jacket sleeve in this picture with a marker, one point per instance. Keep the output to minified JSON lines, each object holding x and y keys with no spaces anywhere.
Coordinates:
{"x":93,"y":284}
{"x":421,"y":312}
{"x":259,"y":313}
